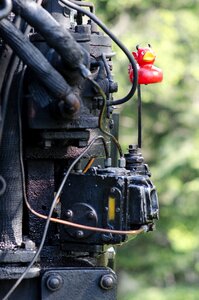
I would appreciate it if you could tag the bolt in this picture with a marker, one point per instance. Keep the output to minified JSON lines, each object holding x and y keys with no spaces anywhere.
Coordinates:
{"x":69,"y":214}
{"x":29,"y":245}
{"x":107,"y":282}
{"x":54,"y":282}
{"x":91,"y":215}
{"x":79,"y":234}
{"x":113,"y":190}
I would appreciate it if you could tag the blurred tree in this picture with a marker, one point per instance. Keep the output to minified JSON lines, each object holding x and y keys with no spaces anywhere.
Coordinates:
{"x":170,"y":256}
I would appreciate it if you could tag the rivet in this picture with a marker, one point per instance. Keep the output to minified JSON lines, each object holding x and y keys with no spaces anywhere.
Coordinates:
{"x":107,"y":282}
{"x":69,"y":214}
{"x":91,"y":215}
{"x":54,"y":282}
{"x":79,"y":234}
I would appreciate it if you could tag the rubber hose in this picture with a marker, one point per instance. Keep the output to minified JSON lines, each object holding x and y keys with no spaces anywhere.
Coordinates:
{"x":55,"y":35}
{"x":31,"y":56}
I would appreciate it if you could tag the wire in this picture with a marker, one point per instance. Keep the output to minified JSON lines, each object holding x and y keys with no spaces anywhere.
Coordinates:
{"x":119,"y":44}
{"x":89,"y":164}
{"x":84,"y":227}
{"x":101,"y":92}
{"x":139,"y":117}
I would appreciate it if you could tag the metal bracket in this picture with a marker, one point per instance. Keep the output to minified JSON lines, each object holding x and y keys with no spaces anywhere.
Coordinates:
{"x":79,"y":284}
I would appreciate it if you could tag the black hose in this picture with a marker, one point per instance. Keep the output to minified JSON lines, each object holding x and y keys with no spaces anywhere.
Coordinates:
{"x":6,"y":9}
{"x":31,"y":56}
{"x":119,"y":44}
{"x":56,"y":36}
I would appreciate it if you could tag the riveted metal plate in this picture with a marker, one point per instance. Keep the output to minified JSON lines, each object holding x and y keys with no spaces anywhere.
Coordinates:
{"x":79,"y":284}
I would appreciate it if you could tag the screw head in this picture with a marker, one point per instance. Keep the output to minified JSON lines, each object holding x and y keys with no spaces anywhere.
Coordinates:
{"x":54,"y":282}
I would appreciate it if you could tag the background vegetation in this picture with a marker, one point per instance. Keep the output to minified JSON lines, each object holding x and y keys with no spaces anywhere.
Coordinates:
{"x":165,"y":264}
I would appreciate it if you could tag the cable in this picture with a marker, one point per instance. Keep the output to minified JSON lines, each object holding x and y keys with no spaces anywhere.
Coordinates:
{"x":139,"y":117}
{"x":119,"y":44}
{"x":84,"y":227}
{"x":85,"y":4}
{"x":89,"y":164}
{"x":101,"y":92}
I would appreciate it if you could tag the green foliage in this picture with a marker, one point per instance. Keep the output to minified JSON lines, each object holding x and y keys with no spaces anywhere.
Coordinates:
{"x":162,"y":262}
{"x":155,"y":293}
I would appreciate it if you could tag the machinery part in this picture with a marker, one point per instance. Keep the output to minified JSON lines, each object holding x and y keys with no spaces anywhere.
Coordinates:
{"x":78,"y":284}
{"x":78,"y":197}
{"x":2,"y":185}
{"x":107,"y":282}
{"x":55,"y":35}
{"x":38,"y":63}
{"x":49,"y":215}
{"x":54,"y":282}
{"x":115,"y":192}
{"x":118,"y":42}
{"x":7,"y":6}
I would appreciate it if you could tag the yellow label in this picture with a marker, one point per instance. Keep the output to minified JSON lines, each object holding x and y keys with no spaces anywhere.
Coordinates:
{"x":111,"y":208}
